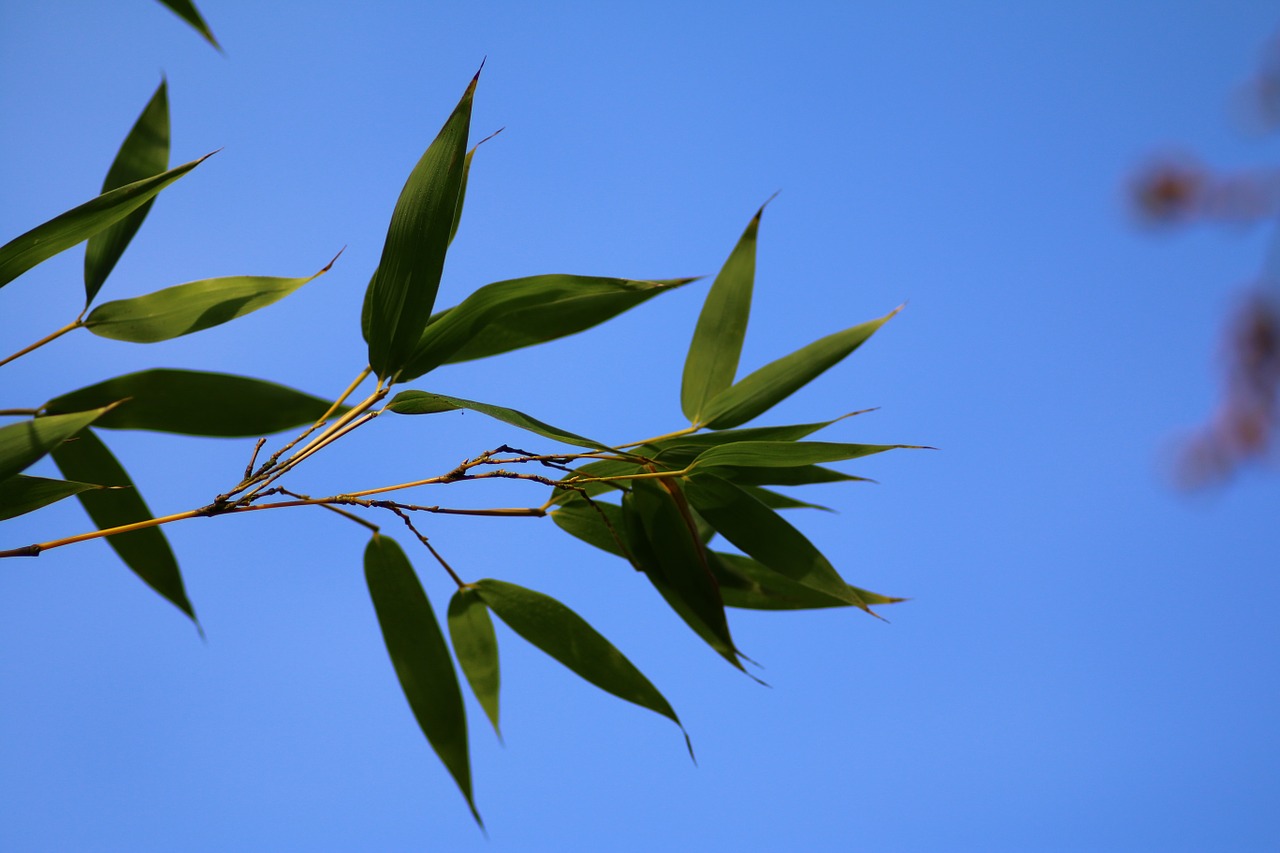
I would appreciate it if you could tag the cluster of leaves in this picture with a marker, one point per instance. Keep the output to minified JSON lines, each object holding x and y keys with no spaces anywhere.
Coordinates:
{"x":663,"y":504}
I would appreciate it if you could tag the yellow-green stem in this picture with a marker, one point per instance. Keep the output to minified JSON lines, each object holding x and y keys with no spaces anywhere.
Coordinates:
{"x":70,"y":327}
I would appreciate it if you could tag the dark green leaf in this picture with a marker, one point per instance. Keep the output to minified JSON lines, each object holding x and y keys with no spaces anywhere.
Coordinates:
{"x":586,"y":478}
{"x":565,"y":636}
{"x":191,"y":307}
{"x":23,"y":443}
{"x":597,"y":523}
{"x":476,"y":647}
{"x":521,"y":312}
{"x":722,"y":326}
{"x":144,"y":152}
{"x":192,"y":402}
{"x":750,"y":584}
{"x":186,"y":10}
{"x":785,"y":454}
{"x":778,"y":380}
{"x":420,"y":657}
{"x":684,"y":448}
{"x":803,"y":475}
{"x":403,"y":289}
{"x":775,"y":500}
{"x":146,"y":551}
{"x":21,"y":494}
{"x":80,"y":223}
{"x":423,"y":403}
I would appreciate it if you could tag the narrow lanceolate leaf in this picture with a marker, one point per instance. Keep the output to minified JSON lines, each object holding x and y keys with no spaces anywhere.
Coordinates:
{"x":190,"y":307}
{"x":26,"y":442}
{"x":685,"y":448}
{"x":146,"y":552}
{"x":786,"y":454}
{"x":776,"y":500}
{"x":193,"y":402}
{"x":803,"y":475}
{"x":80,"y":223}
{"x":521,"y":312}
{"x":186,"y":10}
{"x":597,"y":523}
{"x":144,"y":152}
{"x":722,"y":326}
{"x":403,"y":289}
{"x":763,"y":534}
{"x":566,"y":636}
{"x":476,"y":647}
{"x":420,"y":657}
{"x":760,"y":391}
{"x":748,"y":583}
{"x":423,"y":403}
{"x":21,"y":494}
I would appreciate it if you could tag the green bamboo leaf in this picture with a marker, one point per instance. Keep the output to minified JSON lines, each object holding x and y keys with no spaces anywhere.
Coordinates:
{"x":521,"y":312}
{"x":403,"y":289}
{"x":583,"y":478}
{"x":420,"y":657}
{"x":24,"y":443}
{"x":760,"y":391}
{"x":776,"y":500}
{"x":423,"y":403}
{"x":146,"y":552}
{"x":193,"y":402}
{"x":80,"y":223}
{"x":763,"y":534}
{"x":748,"y":583}
{"x":597,"y":523}
{"x":21,"y":494}
{"x":803,"y":475}
{"x":144,"y":152}
{"x":191,"y":307}
{"x":566,"y":636}
{"x":466,"y":176}
{"x":186,"y":10}
{"x":787,"y":454}
{"x":713,"y":355}
{"x":682,"y":449}
{"x":476,"y":647}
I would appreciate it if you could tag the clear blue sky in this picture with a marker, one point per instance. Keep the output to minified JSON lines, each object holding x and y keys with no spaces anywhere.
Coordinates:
{"x":1089,"y":659}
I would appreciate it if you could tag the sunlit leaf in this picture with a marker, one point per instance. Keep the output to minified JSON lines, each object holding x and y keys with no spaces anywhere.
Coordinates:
{"x":21,"y":494}
{"x":566,"y":636}
{"x":80,"y":223}
{"x":476,"y":647}
{"x":193,"y":402}
{"x":423,"y":403}
{"x":420,"y":657}
{"x":403,"y":289}
{"x":191,"y":307}
{"x":144,"y":152}
{"x":146,"y":551}
{"x":713,"y":355}
{"x":24,"y":443}
{"x":785,"y":454}
{"x":761,"y":390}
{"x":186,"y":10}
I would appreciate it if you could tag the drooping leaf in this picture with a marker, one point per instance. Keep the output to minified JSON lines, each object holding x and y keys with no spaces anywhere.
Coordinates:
{"x":566,"y":636}
{"x":423,"y":403}
{"x":186,"y":10}
{"x":420,"y":657}
{"x":476,"y":647}
{"x":144,"y":152}
{"x":146,"y":551}
{"x":597,"y":523}
{"x":713,"y":355}
{"x":191,"y":307}
{"x":26,"y":442}
{"x":761,"y":390}
{"x":763,"y":534}
{"x":80,"y":223}
{"x":192,"y":402}
{"x":403,"y":289}
{"x":21,"y":494}
{"x":748,"y":583}
{"x":521,"y":312}
{"x":786,"y":454}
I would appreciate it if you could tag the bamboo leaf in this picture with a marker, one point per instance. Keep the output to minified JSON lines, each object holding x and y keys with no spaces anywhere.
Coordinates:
{"x":802,"y":475}
{"x":776,"y":500}
{"x":423,"y":403}
{"x":763,"y":389}
{"x":748,"y":583}
{"x":21,"y":494}
{"x":420,"y":657}
{"x":786,"y":454}
{"x":713,"y":355}
{"x":146,"y":552}
{"x":403,"y":289}
{"x":191,"y":307}
{"x":476,"y":648}
{"x":193,"y":402}
{"x":80,"y":223}
{"x":24,"y":443}
{"x":584,"y":478}
{"x":566,"y":636}
{"x":144,"y":152}
{"x":186,"y":10}
{"x":597,"y":523}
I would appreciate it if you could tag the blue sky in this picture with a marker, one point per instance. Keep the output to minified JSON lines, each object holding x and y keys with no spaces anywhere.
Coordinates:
{"x":1088,"y":660}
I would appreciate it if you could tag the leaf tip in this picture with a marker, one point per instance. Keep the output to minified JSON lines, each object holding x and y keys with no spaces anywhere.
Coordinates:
{"x":329,"y":265}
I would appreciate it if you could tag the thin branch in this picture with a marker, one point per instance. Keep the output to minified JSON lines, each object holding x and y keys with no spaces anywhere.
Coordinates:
{"x":70,"y":327}
{"x":15,"y":413}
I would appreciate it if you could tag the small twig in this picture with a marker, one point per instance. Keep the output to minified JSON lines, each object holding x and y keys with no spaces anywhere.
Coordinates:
{"x":19,"y":413}
{"x":248,"y":469}
{"x":70,"y":327}
{"x":409,"y":523}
